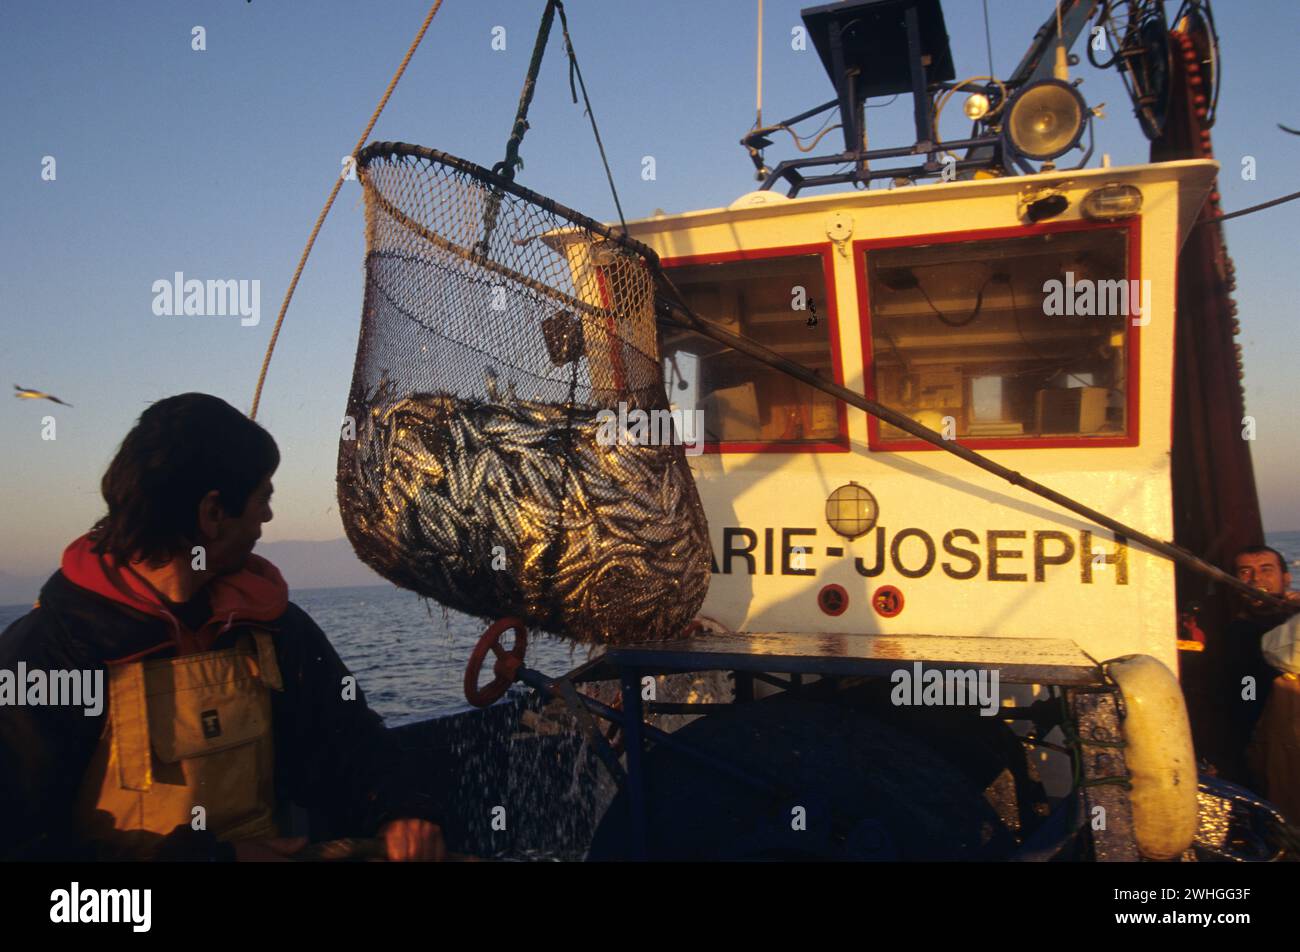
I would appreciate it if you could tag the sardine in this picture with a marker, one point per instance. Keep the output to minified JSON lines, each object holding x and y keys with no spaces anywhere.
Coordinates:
{"x":601,"y":543}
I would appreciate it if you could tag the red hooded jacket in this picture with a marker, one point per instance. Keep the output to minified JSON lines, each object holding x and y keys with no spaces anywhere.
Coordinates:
{"x":333,"y":755}
{"x":256,"y":593}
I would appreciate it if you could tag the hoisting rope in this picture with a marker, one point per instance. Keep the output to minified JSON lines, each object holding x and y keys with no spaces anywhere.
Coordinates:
{"x":507,"y":167}
{"x":758,"y":70}
{"x":329,"y":203}
{"x":574,"y":70}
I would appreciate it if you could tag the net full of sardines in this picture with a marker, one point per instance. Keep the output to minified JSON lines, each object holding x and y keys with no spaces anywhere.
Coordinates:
{"x":501,"y":335}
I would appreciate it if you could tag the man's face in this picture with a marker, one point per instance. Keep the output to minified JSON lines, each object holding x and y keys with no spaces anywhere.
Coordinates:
{"x":231,"y":538}
{"x":1265,"y":572}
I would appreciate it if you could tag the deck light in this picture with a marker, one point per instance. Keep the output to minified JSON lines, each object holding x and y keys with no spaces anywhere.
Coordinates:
{"x":976,"y":106}
{"x":1045,"y":120}
{"x":1110,"y":202}
{"x":851,"y":510}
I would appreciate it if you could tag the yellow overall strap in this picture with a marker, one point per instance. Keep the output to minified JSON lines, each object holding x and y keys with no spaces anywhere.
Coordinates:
{"x":268,"y":667}
{"x":128,"y":713}
{"x":130,"y":724}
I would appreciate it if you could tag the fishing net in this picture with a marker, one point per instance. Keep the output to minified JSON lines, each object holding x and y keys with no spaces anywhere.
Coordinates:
{"x":505,"y":343}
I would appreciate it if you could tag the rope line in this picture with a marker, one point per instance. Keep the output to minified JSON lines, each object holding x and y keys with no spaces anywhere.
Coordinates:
{"x":758,"y":92}
{"x":574,"y":69}
{"x":1253,"y":208}
{"x":988,"y":37}
{"x":507,"y":167}
{"x":329,"y":203}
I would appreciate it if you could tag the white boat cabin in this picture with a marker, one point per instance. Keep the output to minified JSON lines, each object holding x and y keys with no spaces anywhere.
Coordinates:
{"x":1046,"y":344}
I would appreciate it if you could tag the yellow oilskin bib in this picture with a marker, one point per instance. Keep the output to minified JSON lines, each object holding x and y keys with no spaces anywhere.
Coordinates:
{"x":181,"y":734}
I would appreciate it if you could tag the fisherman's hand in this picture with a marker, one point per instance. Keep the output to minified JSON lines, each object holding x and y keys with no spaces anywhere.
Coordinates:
{"x":279,"y":850}
{"x":1292,"y":596}
{"x":410,"y":840}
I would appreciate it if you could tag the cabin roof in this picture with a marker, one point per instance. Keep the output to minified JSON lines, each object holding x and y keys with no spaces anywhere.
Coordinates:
{"x":1195,"y":179}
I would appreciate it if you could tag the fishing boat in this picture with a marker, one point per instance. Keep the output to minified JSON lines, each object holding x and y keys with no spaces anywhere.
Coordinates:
{"x":945,"y":419}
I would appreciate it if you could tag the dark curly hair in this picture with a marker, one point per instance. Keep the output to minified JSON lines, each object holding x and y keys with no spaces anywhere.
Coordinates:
{"x":1260,"y":550}
{"x":180,"y":449}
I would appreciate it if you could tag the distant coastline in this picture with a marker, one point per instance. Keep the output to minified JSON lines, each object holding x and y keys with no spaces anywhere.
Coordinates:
{"x":331,"y":564}
{"x":294,"y":591}
{"x":328,"y":563}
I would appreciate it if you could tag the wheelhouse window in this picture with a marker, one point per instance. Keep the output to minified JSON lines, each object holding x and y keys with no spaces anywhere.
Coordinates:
{"x":780,"y":302}
{"x":1010,"y":339}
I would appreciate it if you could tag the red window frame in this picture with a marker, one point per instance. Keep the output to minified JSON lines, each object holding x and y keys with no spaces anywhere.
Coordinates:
{"x":826,"y":252}
{"x":1132,"y":385}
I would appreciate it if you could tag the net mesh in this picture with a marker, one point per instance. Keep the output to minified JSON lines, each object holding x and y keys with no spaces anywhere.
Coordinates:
{"x":504,"y":342}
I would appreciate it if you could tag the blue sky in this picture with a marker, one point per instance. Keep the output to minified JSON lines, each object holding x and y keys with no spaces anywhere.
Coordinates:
{"x":215,"y":164}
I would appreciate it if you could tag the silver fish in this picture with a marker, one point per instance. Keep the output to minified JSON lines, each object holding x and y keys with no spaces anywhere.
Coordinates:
{"x":601,"y":543}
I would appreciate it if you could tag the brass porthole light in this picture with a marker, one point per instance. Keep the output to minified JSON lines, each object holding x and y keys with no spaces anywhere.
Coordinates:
{"x":851,"y":510}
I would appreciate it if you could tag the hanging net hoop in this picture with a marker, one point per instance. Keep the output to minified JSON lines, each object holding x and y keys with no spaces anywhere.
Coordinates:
{"x":514,"y":450}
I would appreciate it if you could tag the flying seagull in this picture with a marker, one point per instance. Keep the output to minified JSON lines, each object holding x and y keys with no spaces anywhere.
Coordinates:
{"x":27,"y":394}
{"x":1294,"y":132}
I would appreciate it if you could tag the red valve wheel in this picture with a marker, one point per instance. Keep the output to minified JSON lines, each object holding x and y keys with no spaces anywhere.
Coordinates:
{"x":504,"y":668}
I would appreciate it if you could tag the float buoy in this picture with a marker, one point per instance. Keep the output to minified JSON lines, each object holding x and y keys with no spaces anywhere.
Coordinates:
{"x":1159,"y":755}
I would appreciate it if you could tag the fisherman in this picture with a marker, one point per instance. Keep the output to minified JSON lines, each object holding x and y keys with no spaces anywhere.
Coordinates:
{"x":225,"y":701}
{"x":1274,"y":752}
{"x":1241,"y":673}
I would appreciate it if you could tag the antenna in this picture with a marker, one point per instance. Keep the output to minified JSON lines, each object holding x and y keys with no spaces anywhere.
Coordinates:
{"x":758,"y":123}
{"x":988,"y":37}
{"x":1061,"y":69}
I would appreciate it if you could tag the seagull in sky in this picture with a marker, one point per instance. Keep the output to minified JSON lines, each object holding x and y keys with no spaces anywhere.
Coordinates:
{"x":25,"y":393}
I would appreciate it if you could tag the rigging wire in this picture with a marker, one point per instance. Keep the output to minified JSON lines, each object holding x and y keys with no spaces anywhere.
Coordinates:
{"x":329,"y":203}
{"x":988,"y":37}
{"x":822,"y":131}
{"x":574,"y":70}
{"x":758,"y":96}
{"x":799,"y":140}
{"x":819,"y":135}
{"x":1250,"y":210}
{"x":1104,"y":23}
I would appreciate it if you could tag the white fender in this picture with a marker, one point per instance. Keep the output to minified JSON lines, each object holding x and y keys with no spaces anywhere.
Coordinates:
{"x":1159,"y":755}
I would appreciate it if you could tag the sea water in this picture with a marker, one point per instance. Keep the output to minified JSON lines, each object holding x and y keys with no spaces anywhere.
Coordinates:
{"x":409,"y":654}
